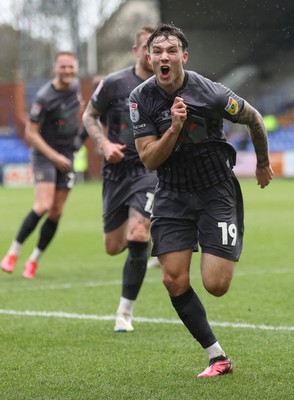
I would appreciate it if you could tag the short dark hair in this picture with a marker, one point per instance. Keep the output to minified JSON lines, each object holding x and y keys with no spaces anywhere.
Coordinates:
{"x":65,"y":53}
{"x":167,"y":30}
{"x":147,"y":29}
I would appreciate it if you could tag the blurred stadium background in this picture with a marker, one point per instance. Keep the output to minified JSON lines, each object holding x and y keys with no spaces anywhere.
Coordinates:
{"x":247,"y":46}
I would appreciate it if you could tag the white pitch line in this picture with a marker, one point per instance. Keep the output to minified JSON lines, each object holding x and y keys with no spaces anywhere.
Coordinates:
{"x":238,"y":273}
{"x":69,"y":286}
{"x":61,"y":314}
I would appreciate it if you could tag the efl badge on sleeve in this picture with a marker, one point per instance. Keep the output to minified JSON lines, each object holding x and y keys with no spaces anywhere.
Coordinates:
{"x":232,"y":106}
{"x":36,"y":109}
{"x":134,"y":112}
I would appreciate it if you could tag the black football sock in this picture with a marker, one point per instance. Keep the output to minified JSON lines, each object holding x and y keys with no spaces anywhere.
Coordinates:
{"x":134,"y":269}
{"x":29,"y":224}
{"x":47,"y":232}
{"x":192,"y":313}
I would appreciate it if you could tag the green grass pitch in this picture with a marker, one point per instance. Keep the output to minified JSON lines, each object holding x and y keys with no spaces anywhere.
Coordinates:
{"x":56,"y":332}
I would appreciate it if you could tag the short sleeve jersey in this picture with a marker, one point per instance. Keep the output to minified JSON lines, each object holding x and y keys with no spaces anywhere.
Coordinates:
{"x":111,"y":100}
{"x":201,"y":156}
{"x":57,"y":112}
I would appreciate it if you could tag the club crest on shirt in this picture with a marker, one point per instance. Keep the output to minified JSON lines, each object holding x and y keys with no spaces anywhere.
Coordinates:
{"x":36,"y":109}
{"x":166,"y":114}
{"x":134,"y":112}
{"x":232,"y":106}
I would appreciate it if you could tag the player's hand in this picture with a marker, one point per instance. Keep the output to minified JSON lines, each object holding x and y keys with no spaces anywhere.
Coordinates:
{"x":264,"y":175}
{"x":178,"y":113}
{"x":63,"y":163}
{"x":113,"y":152}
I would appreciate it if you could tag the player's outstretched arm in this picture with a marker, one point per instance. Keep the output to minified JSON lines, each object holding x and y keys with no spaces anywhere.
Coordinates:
{"x":254,"y":122}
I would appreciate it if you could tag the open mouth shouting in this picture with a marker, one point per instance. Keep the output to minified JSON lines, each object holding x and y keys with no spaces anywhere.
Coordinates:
{"x":165,"y":71}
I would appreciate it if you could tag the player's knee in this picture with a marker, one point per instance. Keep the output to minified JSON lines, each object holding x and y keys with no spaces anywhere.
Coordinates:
{"x":114,"y":248}
{"x":217,"y":289}
{"x":175,"y":285}
{"x":167,"y":281}
{"x":111,"y":250}
{"x":139,"y":233}
{"x":217,"y":275}
{"x":42,"y":209}
{"x":55,"y":214}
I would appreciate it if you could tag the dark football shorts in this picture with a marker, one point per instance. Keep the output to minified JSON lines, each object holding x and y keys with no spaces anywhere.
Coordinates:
{"x":44,"y":170}
{"x":212,"y":218}
{"x":136,"y":192}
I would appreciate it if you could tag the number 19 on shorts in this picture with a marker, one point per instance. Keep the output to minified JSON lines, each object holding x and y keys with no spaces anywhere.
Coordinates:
{"x":229,"y":233}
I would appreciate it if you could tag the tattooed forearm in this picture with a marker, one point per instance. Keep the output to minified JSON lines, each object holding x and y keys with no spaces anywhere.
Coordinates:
{"x":259,"y":140}
{"x":257,"y":131}
{"x":93,"y":125}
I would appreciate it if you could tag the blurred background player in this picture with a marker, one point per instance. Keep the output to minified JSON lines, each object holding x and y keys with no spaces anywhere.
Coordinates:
{"x":127,"y":185}
{"x":51,"y":128}
{"x":178,"y":118}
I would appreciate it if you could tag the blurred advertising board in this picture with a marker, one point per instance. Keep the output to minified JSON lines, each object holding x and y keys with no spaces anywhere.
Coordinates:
{"x":17,"y":175}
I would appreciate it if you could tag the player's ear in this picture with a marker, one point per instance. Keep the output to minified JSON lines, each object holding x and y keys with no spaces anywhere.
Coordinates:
{"x":185,"y":57}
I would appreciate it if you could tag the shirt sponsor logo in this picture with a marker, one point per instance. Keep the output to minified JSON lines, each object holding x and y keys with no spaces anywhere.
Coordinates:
{"x":134,"y":112}
{"x":232,"y":106}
